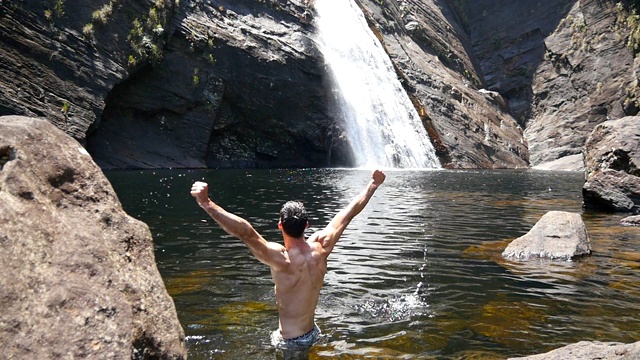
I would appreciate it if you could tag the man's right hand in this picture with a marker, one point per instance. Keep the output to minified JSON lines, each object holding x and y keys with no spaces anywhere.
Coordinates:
{"x":378,"y":177}
{"x":200,"y":191}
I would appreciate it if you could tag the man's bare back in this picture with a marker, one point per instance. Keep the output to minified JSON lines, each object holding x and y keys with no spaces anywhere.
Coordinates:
{"x":297,"y":287}
{"x":298,"y":267}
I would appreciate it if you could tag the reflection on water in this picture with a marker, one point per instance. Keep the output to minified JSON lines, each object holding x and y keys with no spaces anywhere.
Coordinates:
{"x":417,"y":275}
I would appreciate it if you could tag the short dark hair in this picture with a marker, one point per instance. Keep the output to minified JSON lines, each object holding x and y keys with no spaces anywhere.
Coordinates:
{"x":293,"y":217}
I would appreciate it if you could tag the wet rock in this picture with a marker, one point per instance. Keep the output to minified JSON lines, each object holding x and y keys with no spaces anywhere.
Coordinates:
{"x":558,"y":235}
{"x":80,"y":278}
{"x":590,"y":350}
{"x":612,"y":157}
{"x":612,"y":191}
{"x":631,"y":221}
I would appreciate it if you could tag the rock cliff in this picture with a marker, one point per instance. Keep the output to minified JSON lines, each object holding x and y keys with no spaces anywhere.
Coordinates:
{"x":79,"y":276}
{"x":239,"y":84}
{"x":168,"y":83}
{"x":469,"y":126}
{"x":585,"y":78}
{"x":60,"y":59}
{"x":562,"y":66}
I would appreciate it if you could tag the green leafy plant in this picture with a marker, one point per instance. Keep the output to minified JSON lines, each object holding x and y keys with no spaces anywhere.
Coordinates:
{"x":58,"y":8}
{"x":102,"y":15}
{"x":55,"y":10}
{"x":629,"y":17}
{"x":88,"y":31}
{"x":146,"y":37}
{"x":496,"y":41}
{"x":196,"y":77}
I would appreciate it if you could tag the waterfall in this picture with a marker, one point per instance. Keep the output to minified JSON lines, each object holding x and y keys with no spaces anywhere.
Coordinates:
{"x":382,"y":125}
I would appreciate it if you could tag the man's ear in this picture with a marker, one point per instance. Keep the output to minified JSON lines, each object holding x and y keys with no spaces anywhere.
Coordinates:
{"x":280,"y":224}
{"x":307,"y":225}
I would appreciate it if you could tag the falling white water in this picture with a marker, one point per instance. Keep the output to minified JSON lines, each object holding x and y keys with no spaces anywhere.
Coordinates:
{"x":383,"y":127}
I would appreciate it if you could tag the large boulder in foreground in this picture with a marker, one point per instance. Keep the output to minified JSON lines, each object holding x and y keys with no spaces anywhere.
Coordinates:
{"x":558,"y":235}
{"x":79,"y":277}
{"x":590,"y":350}
{"x":612,"y":157}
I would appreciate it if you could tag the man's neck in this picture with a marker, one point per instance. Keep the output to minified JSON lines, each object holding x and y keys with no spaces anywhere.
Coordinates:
{"x":290,"y":242}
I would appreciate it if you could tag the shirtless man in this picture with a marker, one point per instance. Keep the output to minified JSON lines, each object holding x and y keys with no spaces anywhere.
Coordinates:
{"x":298,"y":267}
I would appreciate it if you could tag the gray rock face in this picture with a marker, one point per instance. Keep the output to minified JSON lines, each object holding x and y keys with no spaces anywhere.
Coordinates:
{"x":469,"y":127}
{"x":508,"y":38}
{"x":590,"y":350}
{"x":557,"y":235}
{"x":583,"y":80}
{"x":612,"y":155}
{"x":563,"y":67}
{"x":79,"y":277}
{"x":567,"y":163}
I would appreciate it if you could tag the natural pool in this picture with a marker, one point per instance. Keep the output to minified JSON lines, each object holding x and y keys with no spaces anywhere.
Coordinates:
{"x":417,"y":275}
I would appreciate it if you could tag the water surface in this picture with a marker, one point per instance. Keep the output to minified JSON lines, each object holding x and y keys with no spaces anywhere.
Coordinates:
{"x":417,"y":275}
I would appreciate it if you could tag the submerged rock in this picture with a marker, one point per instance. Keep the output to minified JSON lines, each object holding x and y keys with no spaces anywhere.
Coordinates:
{"x":590,"y":350}
{"x":557,"y":235}
{"x":631,"y":221}
{"x":80,"y":278}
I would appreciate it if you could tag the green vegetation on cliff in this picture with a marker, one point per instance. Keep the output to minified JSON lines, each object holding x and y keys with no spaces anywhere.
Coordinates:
{"x":632,"y":19}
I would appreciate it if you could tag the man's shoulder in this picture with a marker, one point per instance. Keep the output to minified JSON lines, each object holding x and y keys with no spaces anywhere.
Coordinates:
{"x":275,"y":246}
{"x":318,"y":240}
{"x":317,"y":236}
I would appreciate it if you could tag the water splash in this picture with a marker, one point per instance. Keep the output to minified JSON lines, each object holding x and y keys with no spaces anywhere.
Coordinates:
{"x":383,"y":127}
{"x":394,"y":308}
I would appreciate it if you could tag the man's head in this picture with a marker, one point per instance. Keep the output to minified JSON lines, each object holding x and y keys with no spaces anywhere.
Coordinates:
{"x":293,"y":218}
